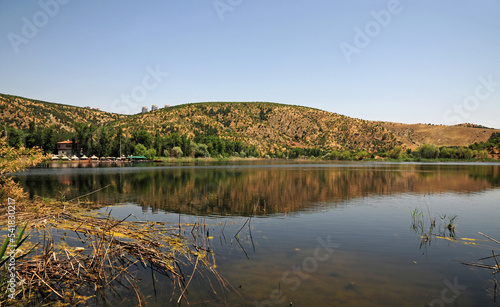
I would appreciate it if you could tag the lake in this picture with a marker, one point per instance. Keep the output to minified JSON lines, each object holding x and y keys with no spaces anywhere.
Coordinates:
{"x":320,"y":234}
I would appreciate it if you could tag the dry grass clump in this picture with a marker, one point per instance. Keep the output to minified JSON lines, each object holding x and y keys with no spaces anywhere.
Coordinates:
{"x":99,"y":261}
{"x":14,"y":160}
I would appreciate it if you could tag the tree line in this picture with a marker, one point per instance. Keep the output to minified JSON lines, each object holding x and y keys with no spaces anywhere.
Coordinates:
{"x":105,"y":141}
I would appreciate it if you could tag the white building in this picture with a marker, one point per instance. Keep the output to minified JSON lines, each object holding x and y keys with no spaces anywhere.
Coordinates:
{"x":154,"y":107}
{"x":144,"y":109}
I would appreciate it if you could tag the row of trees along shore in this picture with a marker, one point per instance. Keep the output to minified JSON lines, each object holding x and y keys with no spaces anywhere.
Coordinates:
{"x":104,"y":141}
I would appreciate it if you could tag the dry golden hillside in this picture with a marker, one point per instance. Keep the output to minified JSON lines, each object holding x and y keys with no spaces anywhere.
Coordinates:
{"x":17,"y":112}
{"x":414,"y":135}
{"x":268,"y":126}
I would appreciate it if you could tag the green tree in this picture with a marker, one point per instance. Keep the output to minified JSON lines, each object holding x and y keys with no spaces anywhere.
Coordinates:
{"x":483,"y":154}
{"x":49,"y":140}
{"x":83,"y":135}
{"x":185,"y":145}
{"x":33,"y":136}
{"x":150,"y":153}
{"x":176,"y":152}
{"x":428,"y":151}
{"x":464,"y":153}
{"x":447,"y":153}
{"x":346,"y":155}
{"x":140,"y":150}
{"x":200,"y":150}
{"x":142,"y":137}
{"x":102,"y":146}
{"x":362,"y":154}
{"x":15,"y":137}
{"x":333,"y":155}
{"x":396,"y":153}
{"x":118,"y":143}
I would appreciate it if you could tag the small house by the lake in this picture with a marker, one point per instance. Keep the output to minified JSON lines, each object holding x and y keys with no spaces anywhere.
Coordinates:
{"x":68,"y":148}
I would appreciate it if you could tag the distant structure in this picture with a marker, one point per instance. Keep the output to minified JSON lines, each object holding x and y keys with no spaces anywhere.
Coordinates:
{"x":68,"y":148}
{"x":87,"y":107}
{"x":144,"y":109}
{"x":96,"y":109}
{"x":154,"y":107}
{"x":167,"y":106}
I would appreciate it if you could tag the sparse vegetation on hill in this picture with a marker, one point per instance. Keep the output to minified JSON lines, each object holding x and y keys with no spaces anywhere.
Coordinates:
{"x":17,"y":113}
{"x":241,"y":129}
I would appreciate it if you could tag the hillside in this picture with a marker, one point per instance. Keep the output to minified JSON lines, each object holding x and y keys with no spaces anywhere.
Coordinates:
{"x":17,"y":112}
{"x":270,"y":127}
{"x":415,"y":135}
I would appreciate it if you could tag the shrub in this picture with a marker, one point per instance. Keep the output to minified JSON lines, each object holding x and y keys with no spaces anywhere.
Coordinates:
{"x":396,"y":153}
{"x":13,"y":160}
{"x":447,"y":153}
{"x":200,"y":150}
{"x":483,"y":154}
{"x":427,"y":151}
{"x":140,"y":150}
{"x":150,"y":153}
{"x":362,"y":154}
{"x":464,"y":153}
{"x":176,"y":152}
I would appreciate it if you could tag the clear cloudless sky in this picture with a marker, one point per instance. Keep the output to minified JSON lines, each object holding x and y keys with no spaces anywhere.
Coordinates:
{"x":405,"y":61}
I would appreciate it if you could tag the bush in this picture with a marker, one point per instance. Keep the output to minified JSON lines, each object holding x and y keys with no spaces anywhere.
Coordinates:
{"x":200,"y":150}
{"x":396,"y":153}
{"x":482,"y":154}
{"x":140,"y":150}
{"x":346,"y":155}
{"x":13,"y":160}
{"x":333,"y":155}
{"x":363,"y":154}
{"x":464,"y":153}
{"x":176,"y":152}
{"x":447,"y":153}
{"x":150,"y":153}
{"x":427,"y":151}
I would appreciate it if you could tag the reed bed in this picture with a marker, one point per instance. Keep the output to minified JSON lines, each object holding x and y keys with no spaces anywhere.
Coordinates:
{"x":97,"y":255}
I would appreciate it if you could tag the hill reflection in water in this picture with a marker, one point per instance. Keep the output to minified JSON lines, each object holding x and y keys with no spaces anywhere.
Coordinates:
{"x":261,"y":189}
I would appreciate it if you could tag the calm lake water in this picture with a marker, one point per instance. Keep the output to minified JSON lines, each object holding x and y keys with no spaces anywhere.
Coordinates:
{"x":320,"y":234}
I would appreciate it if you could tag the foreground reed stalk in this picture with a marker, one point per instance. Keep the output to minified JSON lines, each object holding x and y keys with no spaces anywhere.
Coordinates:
{"x":96,"y":258}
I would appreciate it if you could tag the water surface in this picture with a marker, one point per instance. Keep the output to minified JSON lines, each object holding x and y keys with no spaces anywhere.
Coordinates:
{"x":321,"y":234}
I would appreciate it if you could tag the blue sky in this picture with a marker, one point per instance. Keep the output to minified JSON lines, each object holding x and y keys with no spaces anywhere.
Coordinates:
{"x":403,"y":61}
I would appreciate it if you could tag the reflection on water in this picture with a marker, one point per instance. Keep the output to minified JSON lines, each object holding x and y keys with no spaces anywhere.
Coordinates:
{"x":363,"y":209}
{"x":256,"y":189}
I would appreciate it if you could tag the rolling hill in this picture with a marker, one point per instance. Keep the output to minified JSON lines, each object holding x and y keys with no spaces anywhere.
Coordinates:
{"x":270,"y":127}
{"x":17,"y":112}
